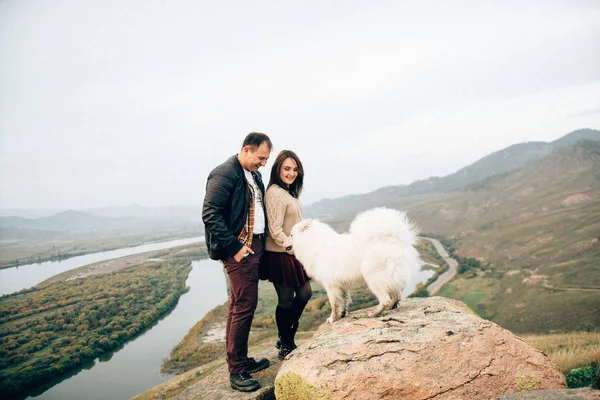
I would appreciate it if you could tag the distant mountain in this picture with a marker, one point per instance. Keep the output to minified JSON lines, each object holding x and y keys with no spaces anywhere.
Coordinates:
{"x":29,"y":212}
{"x":498,"y":163}
{"x":576,"y":136}
{"x":69,"y":221}
{"x":166,"y":213}
{"x":182,"y":213}
{"x":567,"y":177}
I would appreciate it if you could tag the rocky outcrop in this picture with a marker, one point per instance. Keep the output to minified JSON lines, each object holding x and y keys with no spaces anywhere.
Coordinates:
{"x":426,"y":348}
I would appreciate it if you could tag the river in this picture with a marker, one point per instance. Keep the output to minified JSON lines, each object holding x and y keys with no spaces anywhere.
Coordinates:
{"x":25,"y":276}
{"x":136,"y":367}
{"x":419,"y":276}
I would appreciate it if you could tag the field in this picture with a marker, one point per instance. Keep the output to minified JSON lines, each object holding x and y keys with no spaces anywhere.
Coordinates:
{"x":22,"y":252}
{"x":568,"y":350}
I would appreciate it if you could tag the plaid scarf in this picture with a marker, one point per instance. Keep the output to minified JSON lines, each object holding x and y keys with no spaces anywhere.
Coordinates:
{"x":245,"y":235}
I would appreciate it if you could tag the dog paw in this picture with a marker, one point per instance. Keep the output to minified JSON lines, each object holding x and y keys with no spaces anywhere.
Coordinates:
{"x":374,"y":314}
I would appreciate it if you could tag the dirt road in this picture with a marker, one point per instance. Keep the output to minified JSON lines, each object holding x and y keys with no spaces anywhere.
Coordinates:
{"x":446,"y":276}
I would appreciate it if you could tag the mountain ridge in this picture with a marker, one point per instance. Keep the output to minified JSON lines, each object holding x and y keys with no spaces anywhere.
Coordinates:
{"x":535,"y":230}
{"x":499,"y":162}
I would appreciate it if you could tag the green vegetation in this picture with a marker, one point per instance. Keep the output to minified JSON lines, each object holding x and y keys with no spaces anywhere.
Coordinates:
{"x":420,"y":291}
{"x":466,"y":264}
{"x":581,"y":377}
{"x":50,"y":330}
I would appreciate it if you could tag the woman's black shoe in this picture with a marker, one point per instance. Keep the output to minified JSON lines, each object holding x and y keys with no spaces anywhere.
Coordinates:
{"x":279,"y":343}
{"x":285,"y":349}
{"x":283,"y":352}
{"x":243,"y":382}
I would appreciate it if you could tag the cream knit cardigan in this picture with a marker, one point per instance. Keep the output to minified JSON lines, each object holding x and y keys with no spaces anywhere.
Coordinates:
{"x":283,"y":212}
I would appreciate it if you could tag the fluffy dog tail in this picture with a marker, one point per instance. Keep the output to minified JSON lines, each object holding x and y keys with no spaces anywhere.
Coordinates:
{"x":384,"y":222}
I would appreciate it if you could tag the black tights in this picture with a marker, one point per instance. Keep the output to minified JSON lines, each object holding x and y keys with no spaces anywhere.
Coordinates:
{"x":291,"y":303}
{"x":286,"y":298}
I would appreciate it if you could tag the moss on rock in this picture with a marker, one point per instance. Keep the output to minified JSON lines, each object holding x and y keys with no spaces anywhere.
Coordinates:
{"x":527,"y":382}
{"x":291,"y":385}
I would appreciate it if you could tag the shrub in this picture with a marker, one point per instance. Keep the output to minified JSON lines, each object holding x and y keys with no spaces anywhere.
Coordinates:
{"x":420,"y":291}
{"x":581,"y":377}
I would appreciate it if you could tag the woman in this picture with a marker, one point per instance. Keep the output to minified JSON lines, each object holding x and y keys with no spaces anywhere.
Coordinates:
{"x":280,"y":266}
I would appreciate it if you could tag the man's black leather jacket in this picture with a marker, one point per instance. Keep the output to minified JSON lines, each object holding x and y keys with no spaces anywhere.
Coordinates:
{"x":226,"y":204}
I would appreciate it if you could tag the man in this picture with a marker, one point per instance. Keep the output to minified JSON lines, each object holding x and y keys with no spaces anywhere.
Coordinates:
{"x":235,"y":227}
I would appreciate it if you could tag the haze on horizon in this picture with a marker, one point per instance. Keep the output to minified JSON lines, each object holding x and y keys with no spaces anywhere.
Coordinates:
{"x":108,"y":103}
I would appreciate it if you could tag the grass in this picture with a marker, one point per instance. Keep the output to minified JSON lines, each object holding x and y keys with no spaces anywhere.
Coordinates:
{"x":479,"y":293}
{"x":526,"y":307}
{"x":568,"y":350}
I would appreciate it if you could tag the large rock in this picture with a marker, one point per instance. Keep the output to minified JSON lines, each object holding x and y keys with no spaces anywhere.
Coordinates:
{"x":427,"y":348}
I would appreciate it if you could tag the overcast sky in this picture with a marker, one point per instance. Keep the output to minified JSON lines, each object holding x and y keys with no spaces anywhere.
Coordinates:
{"x":135,"y":101}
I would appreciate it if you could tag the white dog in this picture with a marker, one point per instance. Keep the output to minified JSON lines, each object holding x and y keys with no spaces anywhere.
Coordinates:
{"x":378,"y":251}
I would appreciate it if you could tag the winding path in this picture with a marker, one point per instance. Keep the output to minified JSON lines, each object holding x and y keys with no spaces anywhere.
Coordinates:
{"x":446,"y":276}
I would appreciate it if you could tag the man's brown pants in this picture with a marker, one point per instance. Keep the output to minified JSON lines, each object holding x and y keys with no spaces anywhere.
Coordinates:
{"x":243,"y":278}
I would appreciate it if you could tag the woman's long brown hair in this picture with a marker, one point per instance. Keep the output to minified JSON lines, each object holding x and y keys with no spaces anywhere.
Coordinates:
{"x":296,"y":187}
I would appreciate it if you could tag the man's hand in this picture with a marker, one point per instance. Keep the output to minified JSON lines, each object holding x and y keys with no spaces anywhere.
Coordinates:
{"x":244,"y":252}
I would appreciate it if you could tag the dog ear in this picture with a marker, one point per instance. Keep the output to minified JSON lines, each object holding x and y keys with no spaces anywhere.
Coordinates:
{"x":305,"y":225}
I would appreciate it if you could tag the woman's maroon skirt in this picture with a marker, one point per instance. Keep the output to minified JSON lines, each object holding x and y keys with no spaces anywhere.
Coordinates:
{"x":283,"y":269}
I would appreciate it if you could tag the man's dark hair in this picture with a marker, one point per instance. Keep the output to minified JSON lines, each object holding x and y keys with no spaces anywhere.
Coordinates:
{"x":255,"y":139}
{"x":295,"y":188}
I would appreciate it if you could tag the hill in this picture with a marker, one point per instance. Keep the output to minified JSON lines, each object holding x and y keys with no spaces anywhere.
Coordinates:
{"x":78,"y":222}
{"x":187,"y":213}
{"x":69,"y":221}
{"x":537,"y":228}
{"x":496,"y":164}
{"x":534,"y":228}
